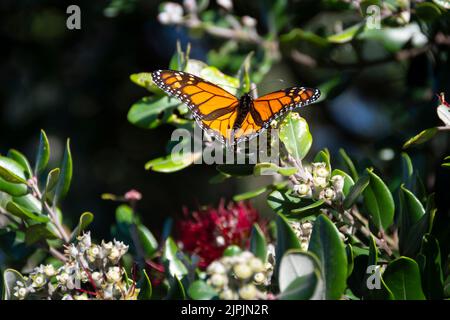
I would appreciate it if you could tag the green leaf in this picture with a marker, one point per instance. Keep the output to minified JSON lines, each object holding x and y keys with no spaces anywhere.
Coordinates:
{"x":347,"y":35}
{"x":356,"y":190}
{"x":350,"y":259}
{"x":431,"y":270}
{"x":10,"y":278}
{"x":286,"y":238}
{"x":300,"y":277}
{"x":295,"y":135}
{"x":65,"y":177}
{"x":200,"y":290}
{"x":11,"y":171}
{"x":427,"y":11}
{"x":176,"y":268}
{"x":300,"y":35}
{"x":145,"y":287}
{"x":422,"y":137}
{"x":349,"y":163}
{"x":373,"y":251}
{"x":172,"y":162}
{"x":150,"y":112}
{"x":267,"y":168}
{"x":283,"y":201}
{"x":13,"y":189}
{"x":402,"y":276}
{"x":43,"y":154}
{"x":124,"y":214}
{"x":22,"y":161}
{"x":249,"y":194}
{"x":147,"y":240}
{"x":85,"y":220}
{"x":244,"y":74}
{"x":52,"y":180}
{"x":379,"y":202}
{"x":217,"y":77}
{"x":37,"y":232}
{"x":25,"y":214}
{"x":144,"y":79}
{"x":176,"y":291}
{"x":348,"y":181}
{"x":411,"y":211}
{"x":306,"y":210}
{"x":258,"y":243}
{"x":326,"y":244}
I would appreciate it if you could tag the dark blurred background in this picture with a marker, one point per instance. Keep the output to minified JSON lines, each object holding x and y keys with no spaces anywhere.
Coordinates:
{"x":75,"y":83}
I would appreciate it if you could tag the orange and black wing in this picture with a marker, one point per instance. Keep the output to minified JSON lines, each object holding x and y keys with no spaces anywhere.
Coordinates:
{"x":269,"y":107}
{"x":213,"y":108}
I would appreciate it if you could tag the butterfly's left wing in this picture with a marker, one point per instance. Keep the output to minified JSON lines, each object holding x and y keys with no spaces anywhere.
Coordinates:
{"x":269,"y":107}
{"x":214,"y":108}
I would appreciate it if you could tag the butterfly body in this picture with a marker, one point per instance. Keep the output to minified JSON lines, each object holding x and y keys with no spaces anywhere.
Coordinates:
{"x":229,"y":119}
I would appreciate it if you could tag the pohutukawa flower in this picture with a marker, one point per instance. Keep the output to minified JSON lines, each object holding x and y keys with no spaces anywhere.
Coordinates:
{"x":208,"y":231}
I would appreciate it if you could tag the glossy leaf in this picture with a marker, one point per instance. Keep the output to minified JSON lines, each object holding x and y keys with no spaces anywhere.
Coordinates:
{"x":445,"y":4}
{"x":286,"y":238}
{"x":283,"y":201}
{"x":427,"y":11}
{"x":258,"y":243}
{"x":85,"y":220}
{"x":349,"y":163}
{"x":411,"y":211}
{"x":300,"y":277}
{"x":379,"y":202}
{"x":13,"y":189}
{"x":250,"y":194}
{"x":147,"y":240}
{"x":402,"y":276}
{"x":25,"y":214}
{"x":176,"y":291}
{"x":10,"y":278}
{"x":11,"y":171}
{"x":346,"y":35}
{"x":326,"y":244}
{"x":145,"y":287}
{"x":37,"y":232}
{"x":422,"y":137}
{"x":65,"y":177}
{"x":356,"y":190}
{"x":324,"y":156}
{"x":172,"y":163}
{"x":144,"y":79}
{"x":431,"y":270}
{"x":310,"y":208}
{"x":295,"y":135}
{"x":150,"y":112}
{"x":22,"y":161}
{"x":200,"y":290}
{"x":266,"y":168}
{"x":176,"y":268}
{"x":43,"y":154}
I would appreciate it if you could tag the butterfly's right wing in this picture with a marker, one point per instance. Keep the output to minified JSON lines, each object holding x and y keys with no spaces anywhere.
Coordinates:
{"x":214,"y":108}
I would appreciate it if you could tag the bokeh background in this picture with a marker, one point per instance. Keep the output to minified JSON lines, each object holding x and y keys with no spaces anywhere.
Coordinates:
{"x":75,"y":83}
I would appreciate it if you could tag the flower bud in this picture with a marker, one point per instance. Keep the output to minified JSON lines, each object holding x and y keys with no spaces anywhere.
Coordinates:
{"x":259,"y":278}
{"x":338,"y":183}
{"x":226,"y":4}
{"x":302,"y":189}
{"x":242,"y":271}
{"x":227,"y":294}
{"x":319,"y":169}
{"x":218,"y":280}
{"x":256,"y":265}
{"x":248,"y":292}
{"x":320,"y":182}
{"x":329,"y":194}
{"x":49,"y":270}
{"x":113,"y":274}
{"x":249,"y":21}
{"x":216,"y":267}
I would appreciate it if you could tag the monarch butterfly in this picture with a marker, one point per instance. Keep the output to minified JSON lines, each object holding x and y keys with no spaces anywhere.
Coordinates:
{"x":229,"y":119}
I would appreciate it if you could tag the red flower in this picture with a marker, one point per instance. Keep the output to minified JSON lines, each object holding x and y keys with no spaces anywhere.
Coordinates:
{"x":207,"y":232}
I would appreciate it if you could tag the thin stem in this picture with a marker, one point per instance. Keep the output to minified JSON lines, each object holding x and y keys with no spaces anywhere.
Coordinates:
{"x":52,"y":214}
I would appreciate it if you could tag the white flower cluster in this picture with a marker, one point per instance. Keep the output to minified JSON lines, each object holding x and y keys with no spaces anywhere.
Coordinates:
{"x":321,"y":185}
{"x":303,"y":231}
{"x":238,"y":277}
{"x":91,"y":271}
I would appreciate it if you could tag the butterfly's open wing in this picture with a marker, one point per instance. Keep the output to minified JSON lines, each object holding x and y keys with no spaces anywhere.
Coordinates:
{"x":213,"y":107}
{"x":269,"y":107}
